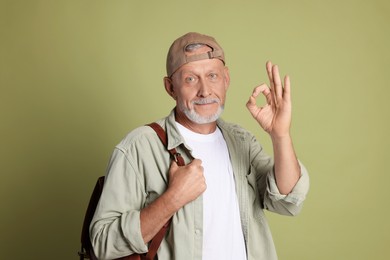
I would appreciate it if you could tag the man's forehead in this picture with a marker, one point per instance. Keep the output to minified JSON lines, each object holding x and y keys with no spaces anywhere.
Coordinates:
{"x":201,"y":66}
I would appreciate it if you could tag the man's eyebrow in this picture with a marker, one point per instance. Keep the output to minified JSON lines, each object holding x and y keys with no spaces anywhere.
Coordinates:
{"x":184,"y":72}
{"x":207,"y":71}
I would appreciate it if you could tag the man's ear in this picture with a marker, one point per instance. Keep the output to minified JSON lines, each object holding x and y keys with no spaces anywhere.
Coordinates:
{"x":169,"y":87}
{"x":227,"y":77}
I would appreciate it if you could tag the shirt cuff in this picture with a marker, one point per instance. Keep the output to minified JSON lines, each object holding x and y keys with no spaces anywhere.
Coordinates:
{"x":298,"y":193}
{"x":132,"y":231}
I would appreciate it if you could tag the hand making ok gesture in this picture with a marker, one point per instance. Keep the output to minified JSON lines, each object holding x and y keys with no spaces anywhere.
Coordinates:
{"x":275,"y":116}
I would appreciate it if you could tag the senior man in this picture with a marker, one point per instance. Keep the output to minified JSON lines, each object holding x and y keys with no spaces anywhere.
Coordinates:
{"x":216,"y":201}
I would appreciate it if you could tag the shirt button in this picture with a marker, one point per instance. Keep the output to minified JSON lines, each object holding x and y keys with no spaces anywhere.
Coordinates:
{"x":197,"y":231}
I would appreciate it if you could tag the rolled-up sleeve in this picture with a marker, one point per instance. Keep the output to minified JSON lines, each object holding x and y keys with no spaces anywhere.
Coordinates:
{"x":289,"y":204}
{"x":115,"y":228}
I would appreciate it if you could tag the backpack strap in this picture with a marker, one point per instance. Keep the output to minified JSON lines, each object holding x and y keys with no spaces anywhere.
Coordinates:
{"x":86,"y":246}
{"x":163,"y":137}
{"x":156,"y":241}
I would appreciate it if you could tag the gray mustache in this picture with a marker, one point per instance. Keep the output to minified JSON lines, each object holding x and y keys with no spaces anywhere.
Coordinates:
{"x":204,"y":101}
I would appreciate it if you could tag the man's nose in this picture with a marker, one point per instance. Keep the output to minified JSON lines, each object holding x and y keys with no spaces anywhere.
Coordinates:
{"x":205,"y":89}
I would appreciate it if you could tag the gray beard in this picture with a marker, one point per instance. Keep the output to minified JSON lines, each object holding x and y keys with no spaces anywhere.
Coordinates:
{"x":196,"y":118}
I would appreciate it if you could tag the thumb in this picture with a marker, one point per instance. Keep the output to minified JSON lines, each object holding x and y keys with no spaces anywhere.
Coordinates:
{"x":174,"y":166}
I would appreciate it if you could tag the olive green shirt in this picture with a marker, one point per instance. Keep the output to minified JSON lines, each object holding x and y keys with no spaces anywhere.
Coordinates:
{"x":138,"y":173}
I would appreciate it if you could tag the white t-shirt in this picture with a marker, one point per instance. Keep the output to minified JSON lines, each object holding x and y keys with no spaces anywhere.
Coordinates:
{"x":222,"y":232}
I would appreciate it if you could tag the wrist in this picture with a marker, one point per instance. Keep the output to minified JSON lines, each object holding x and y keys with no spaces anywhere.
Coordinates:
{"x":281,"y":138}
{"x":171,"y":201}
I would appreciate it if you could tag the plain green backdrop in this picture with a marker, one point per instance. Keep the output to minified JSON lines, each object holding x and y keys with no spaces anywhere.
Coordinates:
{"x":76,"y":76}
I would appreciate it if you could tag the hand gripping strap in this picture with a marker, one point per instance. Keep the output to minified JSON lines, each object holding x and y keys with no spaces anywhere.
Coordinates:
{"x":156,"y":241}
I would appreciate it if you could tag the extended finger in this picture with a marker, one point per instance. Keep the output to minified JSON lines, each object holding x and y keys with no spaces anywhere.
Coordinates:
{"x":287,"y":88}
{"x":269,"y":67}
{"x":277,"y":82}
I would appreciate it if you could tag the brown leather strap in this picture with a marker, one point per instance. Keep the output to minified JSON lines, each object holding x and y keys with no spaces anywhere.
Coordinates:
{"x":163,"y":137}
{"x":86,"y":246}
{"x":157,"y":239}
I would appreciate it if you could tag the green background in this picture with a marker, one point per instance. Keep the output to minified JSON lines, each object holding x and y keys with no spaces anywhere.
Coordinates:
{"x":76,"y":76}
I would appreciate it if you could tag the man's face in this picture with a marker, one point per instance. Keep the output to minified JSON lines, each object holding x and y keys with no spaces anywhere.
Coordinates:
{"x":199,"y":88}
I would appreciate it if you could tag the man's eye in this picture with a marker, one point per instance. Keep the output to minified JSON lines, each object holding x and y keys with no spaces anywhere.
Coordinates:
{"x":213,"y":75}
{"x":190,"y":79}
